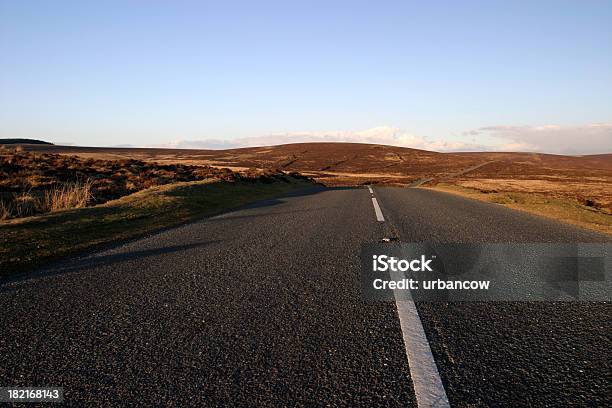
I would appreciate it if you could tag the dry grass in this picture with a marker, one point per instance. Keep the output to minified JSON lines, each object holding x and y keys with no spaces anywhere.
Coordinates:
{"x":38,"y":183}
{"x":18,"y":205}
{"x":593,"y":192}
{"x":559,"y":208}
{"x":6,"y":210}
{"x":72,"y":195}
{"x":59,"y":197}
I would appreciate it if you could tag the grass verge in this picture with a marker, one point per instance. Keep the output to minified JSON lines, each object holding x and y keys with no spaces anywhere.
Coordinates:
{"x":29,"y":242}
{"x":565,"y":210}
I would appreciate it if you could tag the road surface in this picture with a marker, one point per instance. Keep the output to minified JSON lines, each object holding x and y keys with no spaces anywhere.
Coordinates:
{"x":262,"y":307}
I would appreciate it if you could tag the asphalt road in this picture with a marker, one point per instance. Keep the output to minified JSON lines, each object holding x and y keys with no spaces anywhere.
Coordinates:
{"x":262,"y":306}
{"x":506,"y":353}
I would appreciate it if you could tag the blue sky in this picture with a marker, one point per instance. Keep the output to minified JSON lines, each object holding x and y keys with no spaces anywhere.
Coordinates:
{"x":457,"y":75}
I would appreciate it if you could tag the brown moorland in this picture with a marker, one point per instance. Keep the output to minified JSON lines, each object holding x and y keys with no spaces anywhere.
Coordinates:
{"x":35,"y":183}
{"x":584,"y":179}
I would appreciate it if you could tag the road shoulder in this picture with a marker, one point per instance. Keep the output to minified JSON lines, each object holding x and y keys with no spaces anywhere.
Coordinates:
{"x":30,"y":242}
{"x":562,"y":210}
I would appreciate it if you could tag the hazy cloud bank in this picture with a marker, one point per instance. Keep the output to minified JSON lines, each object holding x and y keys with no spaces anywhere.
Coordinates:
{"x":385,"y":135}
{"x":587,"y":139}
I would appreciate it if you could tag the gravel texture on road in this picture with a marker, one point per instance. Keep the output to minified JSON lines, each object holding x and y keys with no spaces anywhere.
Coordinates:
{"x":262,"y":307}
{"x":257,"y":307}
{"x":506,"y":353}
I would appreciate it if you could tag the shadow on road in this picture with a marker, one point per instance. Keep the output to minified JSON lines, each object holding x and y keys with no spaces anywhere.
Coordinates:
{"x":100,"y":260}
{"x":274,"y":202}
{"x":96,"y":257}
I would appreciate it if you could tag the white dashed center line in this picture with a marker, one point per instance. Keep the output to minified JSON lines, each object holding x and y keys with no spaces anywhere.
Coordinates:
{"x":377,"y":210}
{"x":426,"y":380}
{"x":379,"y":214}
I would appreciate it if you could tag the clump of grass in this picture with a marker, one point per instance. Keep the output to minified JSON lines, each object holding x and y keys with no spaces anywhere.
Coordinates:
{"x":6,"y":210}
{"x":19,"y":205}
{"x":66,"y":196}
{"x":60,"y":197}
{"x":25,"y":204}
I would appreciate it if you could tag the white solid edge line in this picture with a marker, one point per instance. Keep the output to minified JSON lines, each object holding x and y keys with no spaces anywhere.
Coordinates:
{"x":426,"y":381}
{"x":379,"y":214}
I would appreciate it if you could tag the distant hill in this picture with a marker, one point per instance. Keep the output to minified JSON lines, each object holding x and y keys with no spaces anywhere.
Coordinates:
{"x":23,"y":141}
{"x":336,"y":163}
{"x":586,"y":181}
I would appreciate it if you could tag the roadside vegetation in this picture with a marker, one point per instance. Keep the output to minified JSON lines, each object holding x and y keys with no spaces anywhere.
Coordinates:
{"x":34,"y":183}
{"x":53,"y":206}
{"x":580,"y":212}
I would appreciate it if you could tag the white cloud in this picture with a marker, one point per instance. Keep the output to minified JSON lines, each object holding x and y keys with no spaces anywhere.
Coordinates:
{"x":587,"y":139}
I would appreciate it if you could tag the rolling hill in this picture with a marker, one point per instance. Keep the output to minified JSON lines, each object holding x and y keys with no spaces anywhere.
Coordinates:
{"x":585,"y":180}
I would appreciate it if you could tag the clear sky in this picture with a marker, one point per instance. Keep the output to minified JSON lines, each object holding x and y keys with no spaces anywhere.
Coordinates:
{"x":442,"y":75}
